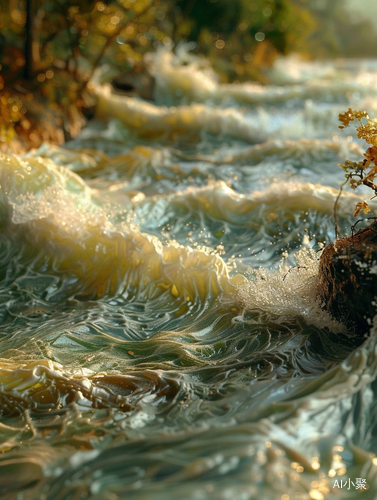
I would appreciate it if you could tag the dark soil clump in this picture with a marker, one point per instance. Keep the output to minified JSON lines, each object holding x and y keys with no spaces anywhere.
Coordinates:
{"x":348,"y":279}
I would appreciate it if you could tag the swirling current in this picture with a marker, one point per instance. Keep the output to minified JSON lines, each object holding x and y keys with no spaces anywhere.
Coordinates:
{"x":160,"y":335}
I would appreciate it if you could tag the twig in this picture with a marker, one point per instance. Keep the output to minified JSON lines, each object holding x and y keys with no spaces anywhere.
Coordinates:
{"x":72,"y":46}
{"x":291,"y":269}
{"x":336,"y":209}
{"x":106,"y":45}
{"x":359,"y":220}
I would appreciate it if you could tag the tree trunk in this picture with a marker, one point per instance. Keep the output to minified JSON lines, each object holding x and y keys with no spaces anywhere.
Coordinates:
{"x":28,"y":50}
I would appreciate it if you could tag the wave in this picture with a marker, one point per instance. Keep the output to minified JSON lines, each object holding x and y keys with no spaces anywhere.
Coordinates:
{"x":181,"y":77}
{"x":157,"y":122}
{"x":158,"y":307}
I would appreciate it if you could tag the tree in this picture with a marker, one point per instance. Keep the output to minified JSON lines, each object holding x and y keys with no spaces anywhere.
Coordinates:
{"x":347,"y":275}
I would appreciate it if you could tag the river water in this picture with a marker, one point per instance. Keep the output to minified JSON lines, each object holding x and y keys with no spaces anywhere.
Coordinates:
{"x":160,"y":335}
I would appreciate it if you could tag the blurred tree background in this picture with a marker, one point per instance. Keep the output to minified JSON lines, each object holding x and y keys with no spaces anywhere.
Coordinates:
{"x":49,"y":49}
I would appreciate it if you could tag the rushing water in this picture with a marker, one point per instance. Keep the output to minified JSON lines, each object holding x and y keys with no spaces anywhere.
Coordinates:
{"x":160,"y":335}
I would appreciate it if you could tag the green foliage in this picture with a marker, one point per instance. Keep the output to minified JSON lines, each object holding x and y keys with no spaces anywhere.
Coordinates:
{"x":242,"y":38}
{"x":339,"y":33}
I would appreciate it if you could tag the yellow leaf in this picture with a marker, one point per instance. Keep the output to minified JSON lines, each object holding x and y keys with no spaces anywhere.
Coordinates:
{"x":362,"y":205}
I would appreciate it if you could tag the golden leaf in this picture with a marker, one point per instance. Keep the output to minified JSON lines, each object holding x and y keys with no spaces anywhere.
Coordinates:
{"x":362,"y":205}
{"x":350,"y":115}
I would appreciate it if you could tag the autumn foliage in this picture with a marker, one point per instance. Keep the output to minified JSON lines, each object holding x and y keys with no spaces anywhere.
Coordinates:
{"x":49,"y":49}
{"x":363,"y":172}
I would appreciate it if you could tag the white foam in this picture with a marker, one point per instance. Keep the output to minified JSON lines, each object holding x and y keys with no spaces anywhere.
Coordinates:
{"x":290,"y":291}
